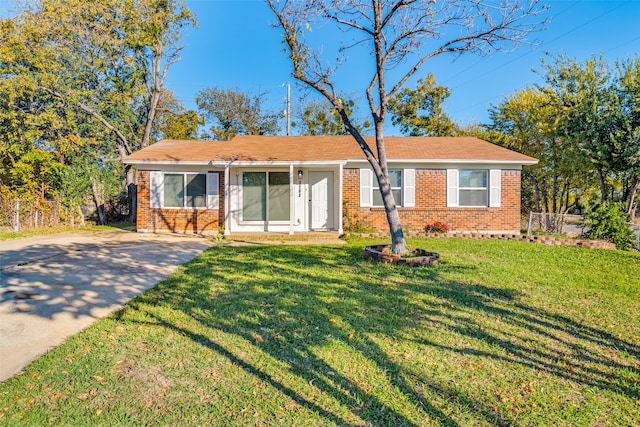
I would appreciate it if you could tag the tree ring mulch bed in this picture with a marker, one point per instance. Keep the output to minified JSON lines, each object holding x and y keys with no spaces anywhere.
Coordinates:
{"x":415,"y":257}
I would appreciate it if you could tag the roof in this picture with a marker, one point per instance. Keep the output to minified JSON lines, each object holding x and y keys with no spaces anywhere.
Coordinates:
{"x":258,"y":148}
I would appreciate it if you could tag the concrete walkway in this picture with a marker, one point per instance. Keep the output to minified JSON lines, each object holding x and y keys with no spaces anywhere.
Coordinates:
{"x":54,"y":286}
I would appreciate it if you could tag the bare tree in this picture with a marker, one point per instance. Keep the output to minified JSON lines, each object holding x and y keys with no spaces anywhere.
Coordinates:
{"x":402,"y":35}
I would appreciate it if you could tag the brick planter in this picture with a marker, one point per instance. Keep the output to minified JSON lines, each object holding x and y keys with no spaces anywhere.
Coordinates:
{"x":544,"y":240}
{"x":383,"y":253}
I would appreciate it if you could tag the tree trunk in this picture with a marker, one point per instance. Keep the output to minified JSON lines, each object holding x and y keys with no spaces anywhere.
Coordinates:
{"x":132,"y":193}
{"x":536,"y":190}
{"x":603,"y":186}
{"x":151,"y":114}
{"x":132,"y":196}
{"x":545,"y":196}
{"x":554,"y":194}
{"x":81,"y":215}
{"x":398,"y":243}
{"x":97,"y":200}
{"x":632,"y":204}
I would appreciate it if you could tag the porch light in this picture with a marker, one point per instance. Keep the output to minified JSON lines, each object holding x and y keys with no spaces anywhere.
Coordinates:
{"x":299,"y":182}
{"x":300,"y":175}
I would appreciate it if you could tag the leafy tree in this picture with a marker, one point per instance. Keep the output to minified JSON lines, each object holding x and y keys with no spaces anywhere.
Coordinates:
{"x":98,"y":65}
{"x":233,"y":112}
{"x":175,"y":122}
{"x":609,"y":222}
{"x":527,"y":120}
{"x":401,"y":36}
{"x":320,"y":118}
{"x":629,"y":87}
{"x":181,"y":125}
{"x":419,"y":111}
{"x":589,"y":113}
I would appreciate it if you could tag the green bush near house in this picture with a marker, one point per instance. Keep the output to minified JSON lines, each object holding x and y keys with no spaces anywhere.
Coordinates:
{"x":609,"y":222}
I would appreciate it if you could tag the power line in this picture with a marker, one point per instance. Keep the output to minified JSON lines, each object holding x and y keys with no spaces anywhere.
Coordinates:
{"x":546,"y":43}
{"x":492,"y":71}
{"x":476,"y":64}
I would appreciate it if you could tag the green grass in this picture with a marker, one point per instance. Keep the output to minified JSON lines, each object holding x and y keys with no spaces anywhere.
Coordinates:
{"x":6,"y":235}
{"x":499,"y":333}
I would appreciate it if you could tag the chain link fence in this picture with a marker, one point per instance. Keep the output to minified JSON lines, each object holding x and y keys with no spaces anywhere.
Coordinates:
{"x":565,"y":224}
{"x":19,"y":215}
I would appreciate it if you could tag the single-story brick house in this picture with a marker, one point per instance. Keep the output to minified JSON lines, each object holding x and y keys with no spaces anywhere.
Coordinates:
{"x":303,"y":183}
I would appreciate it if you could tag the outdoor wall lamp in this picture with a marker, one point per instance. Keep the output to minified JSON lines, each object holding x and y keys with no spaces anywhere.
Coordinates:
{"x":299,"y":182}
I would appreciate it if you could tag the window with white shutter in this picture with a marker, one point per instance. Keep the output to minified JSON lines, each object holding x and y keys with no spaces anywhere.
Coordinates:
{"x":191,"y":190}
{"x":473,"y":188}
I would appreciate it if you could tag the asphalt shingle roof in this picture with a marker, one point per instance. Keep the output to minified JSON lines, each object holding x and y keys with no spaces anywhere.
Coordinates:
{"x":324,"y":148}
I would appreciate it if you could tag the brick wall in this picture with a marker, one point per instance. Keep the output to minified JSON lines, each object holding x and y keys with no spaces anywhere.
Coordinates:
{"x":176,"y":220}
{"x":431,"y":205}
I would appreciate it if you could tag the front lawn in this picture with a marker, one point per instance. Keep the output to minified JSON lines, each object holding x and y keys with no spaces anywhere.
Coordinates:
{"x":499,"y":333}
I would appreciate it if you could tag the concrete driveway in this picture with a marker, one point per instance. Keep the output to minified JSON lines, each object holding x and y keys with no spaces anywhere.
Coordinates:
{"x":54,"y":286}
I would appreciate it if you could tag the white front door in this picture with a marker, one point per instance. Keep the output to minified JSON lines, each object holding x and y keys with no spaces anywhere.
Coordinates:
{"x":321,"y":200}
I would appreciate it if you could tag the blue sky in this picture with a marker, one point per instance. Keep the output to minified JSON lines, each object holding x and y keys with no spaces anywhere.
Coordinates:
{"x":234,"y":46}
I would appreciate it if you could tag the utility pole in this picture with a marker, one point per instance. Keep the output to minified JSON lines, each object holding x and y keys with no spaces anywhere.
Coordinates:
{"x":288,"y":109}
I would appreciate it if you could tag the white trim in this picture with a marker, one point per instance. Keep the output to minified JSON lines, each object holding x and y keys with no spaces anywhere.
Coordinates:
{"x":443,"y":163}
{"x":292,"y":200}
{"x":452,"y":188}
{"x":408,"y":188}
{"x":340,"y":195}
{"x":221,"y":164}
{"x":227,"y":201}
{"x":494,"y":188}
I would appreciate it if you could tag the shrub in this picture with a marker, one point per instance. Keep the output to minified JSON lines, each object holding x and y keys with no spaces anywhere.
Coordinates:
{"x":436,"y":227}
{"x":608,"y":222}
{"x":355,"y":222}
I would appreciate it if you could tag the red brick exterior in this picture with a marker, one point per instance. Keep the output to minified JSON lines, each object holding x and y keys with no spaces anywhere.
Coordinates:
{"x":200,"y":221}
{"x":431,"y":205}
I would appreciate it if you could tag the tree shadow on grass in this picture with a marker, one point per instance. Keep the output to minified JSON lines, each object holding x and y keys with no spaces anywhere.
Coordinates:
{"x":298,"y":303}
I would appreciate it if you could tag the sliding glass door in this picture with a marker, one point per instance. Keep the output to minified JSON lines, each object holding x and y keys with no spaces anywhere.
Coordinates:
{"x":266,"y":196}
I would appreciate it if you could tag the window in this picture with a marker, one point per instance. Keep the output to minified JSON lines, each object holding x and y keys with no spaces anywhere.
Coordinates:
{"x":266,"y":196}
{"x":395,"y":176}
{"x":473,"y":188}
{"x":184,"y":190}
{"x":402,"y":186}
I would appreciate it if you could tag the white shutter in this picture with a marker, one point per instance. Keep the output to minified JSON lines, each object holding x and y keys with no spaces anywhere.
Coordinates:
{"x":494,"y":188}
{"x":409,"y":188}
{"x":366,"y":176}
{"x":213,"y":190}
{"x":452,"y":188}
{"x":156,"y":188}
